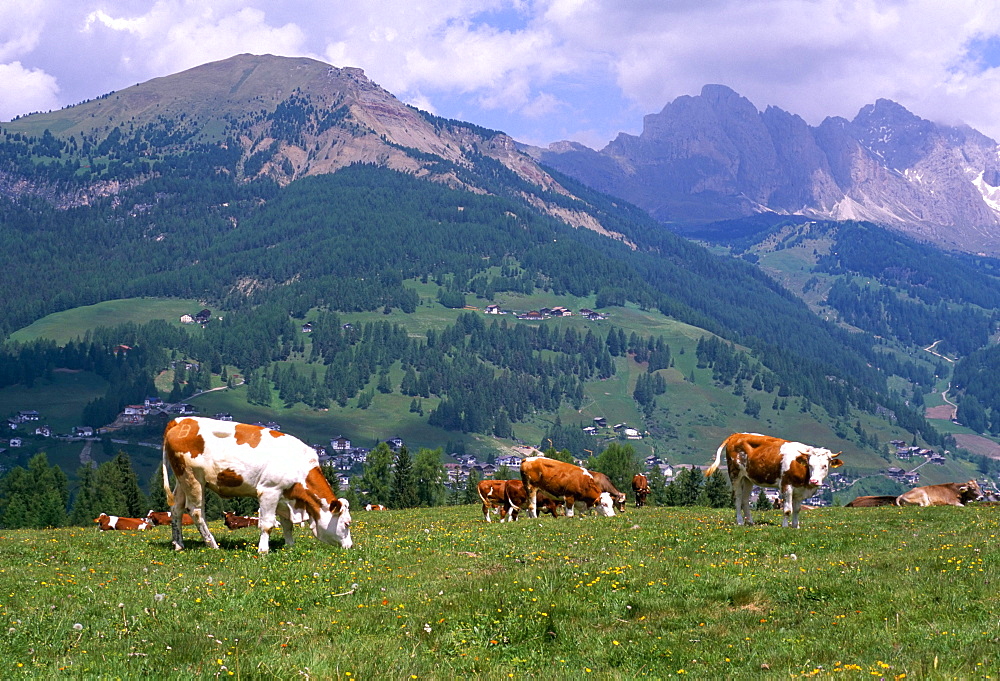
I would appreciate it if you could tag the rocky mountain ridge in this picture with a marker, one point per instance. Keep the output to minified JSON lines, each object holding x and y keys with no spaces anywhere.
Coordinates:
{"x":287,"y":118}
{"x":715,"y":156}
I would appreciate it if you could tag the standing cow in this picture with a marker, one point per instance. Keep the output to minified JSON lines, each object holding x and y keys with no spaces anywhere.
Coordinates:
{"x":241,"y":460}
{"x":792,"y":467}
{"x":948,"y":494}
{"x":563,"y":481}
{"x":640,"y":487}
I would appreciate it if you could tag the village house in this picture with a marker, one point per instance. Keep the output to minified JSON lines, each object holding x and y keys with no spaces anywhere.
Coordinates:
{"x":223,"y":416}
{"x":340,"y":444}
{"x":307,"y":327}
{"x":509,"y":460}
{"x":43,"y":431}
{"x":83,"y":431}
{"x":28,"y":415}
{"x":493,"y":309}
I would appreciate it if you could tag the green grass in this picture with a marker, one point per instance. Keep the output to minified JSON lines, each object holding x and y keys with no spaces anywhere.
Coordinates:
{"x":437,"y":593}
{"x":59,"y":400}
{"x":63,"y":327}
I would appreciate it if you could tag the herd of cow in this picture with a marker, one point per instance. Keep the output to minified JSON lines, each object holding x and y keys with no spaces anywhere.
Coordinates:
{"x":241,"y":460}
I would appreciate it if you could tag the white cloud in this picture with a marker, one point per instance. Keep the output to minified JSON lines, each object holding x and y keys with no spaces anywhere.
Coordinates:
{"x":26,"y":91}
{"x":524,"y":65}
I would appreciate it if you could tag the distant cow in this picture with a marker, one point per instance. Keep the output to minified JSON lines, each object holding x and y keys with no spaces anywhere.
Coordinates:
{"x":563,"y":481}
{"x":375,"y":507}
{"x":794,"y":468}
{"x":237,"y":522}
{"x":113,"y":522}
{"x":163,"y":518}
{"x":870,"y":501}
{"x":241,"y":460}
{"x":948,"y":494}
{"x":618,"y":498}
{"x":491,"y":493}
{"x":640,"y":487}
{"x":506,"y":498}
{"x":516,"y":498}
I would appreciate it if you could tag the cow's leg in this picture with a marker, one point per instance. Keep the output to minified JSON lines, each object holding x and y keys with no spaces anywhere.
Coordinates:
{"x":286,"y":530}
{"x":791,"y":509}
{"x":486,"y":512}
{"x":741,"y":493}
{"x":533,"y":501}
{"x":266,"y":518}
{"x":176,"y":517}
{"x":196,"y":502}
{"x":570,"y":505}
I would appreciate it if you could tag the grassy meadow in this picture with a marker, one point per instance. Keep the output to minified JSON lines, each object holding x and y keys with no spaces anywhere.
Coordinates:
{"x":437,"y":593}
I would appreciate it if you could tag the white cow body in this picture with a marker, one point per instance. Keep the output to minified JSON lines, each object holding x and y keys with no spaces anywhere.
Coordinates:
{"x":241,"y":460}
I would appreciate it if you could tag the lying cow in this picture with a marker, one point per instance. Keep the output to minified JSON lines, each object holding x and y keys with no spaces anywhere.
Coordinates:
{"x":948,"y":494}
{"x":640,"y":487}
{"x":794,"y":468}
{"x":375,"y":507}
{"x":237,"y":522}
{"x":113,"y":522}
{"x":565,"y":482}
{"x":241,"y":460}
{"x":871,"y":501}
{"x":163,"y":518}
{"x":606,"y":485}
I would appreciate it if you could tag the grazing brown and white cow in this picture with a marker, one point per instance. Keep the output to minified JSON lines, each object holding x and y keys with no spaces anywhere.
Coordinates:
{"x":948,"y":494}
{"x":794,"y":468}
{"x":563,"y":481}
{"x":618,"y":498}
{"x":375,"y":507}
{"x":163,"y":518}
{"x":113,"y":522}
{"x":491,"y":492}
{"x":640,"y":487}
{"x":237,"y":522}
{"x":240,"y":460}
{"x":871,"y":501}
{"x":506,"y":498}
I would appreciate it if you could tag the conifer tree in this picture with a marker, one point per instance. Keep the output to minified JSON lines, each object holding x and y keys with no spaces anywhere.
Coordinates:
{"x":430,"y":475}
{"x":377,"y":474}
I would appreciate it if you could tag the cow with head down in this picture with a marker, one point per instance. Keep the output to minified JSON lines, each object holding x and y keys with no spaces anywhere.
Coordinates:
{"x":241,"y":460}
{"x":948,"y":494}
{"x":640,"y":488}
{"x":564,"y":482}
{"x":794,"y":468}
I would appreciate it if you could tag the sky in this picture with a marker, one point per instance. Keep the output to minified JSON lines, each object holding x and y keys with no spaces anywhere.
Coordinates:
{"x":540,"y":70}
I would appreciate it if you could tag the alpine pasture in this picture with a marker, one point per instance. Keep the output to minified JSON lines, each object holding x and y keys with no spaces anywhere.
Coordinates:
{"x":437,"y":593}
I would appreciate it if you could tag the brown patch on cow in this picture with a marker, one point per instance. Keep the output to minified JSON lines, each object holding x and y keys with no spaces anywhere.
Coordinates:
{"x":765,"y":467}
{"x":247,"y":434}
{"x":276,"y":433}
{"x":229,"y":478}
{"x":182,"y":436}
{"x":308,"y":497}
{"x":798,"y":471}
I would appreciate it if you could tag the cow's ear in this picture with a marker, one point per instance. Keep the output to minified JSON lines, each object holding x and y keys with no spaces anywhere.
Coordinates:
{"x":964,"y":488}
{"x":835,"y":462}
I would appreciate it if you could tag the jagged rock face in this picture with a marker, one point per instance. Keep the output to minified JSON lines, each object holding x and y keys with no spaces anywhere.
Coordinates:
{"x":715,"y":156}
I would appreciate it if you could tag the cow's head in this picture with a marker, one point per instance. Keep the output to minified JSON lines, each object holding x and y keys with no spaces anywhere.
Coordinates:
{"x":970,"y":491}
{"x":605,"y":505}
{"x":334,"y":523}
{"x":818,"y":461}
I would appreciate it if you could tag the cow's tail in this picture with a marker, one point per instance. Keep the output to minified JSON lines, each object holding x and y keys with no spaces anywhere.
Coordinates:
{"x":166,"y":481}
{"x":718,"y":460}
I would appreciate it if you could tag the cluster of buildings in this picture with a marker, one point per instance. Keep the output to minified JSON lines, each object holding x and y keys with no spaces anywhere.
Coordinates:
{"x":601,"y":424}
{"x":546,"y":313}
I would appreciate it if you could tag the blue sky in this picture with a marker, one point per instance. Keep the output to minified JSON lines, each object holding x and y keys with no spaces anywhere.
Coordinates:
{"x":542,"y":71}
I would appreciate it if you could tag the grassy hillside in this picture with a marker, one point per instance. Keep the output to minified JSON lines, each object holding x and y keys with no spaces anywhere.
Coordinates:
{"x":437,"y":593}
{"x":72,"y":324}
{"x":689,"y":422}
